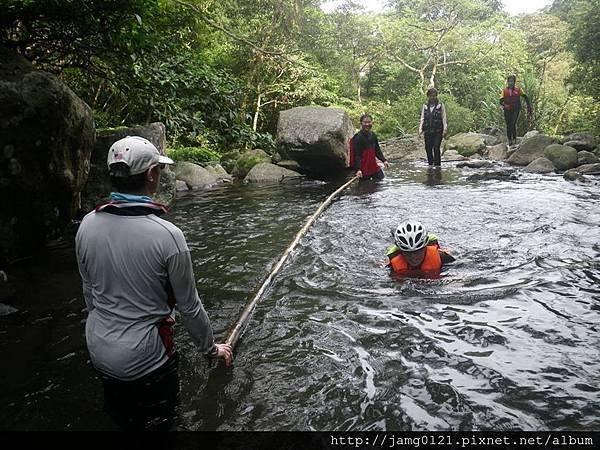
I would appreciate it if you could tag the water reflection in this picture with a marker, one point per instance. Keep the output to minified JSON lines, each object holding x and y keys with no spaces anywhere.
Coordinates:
{"x":506,"y":339}
{"x":434,"y":176}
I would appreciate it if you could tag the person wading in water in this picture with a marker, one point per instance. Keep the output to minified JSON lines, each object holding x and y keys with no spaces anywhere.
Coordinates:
{"x":416,"y":253}
{"x":434,"y":124}
{"x":136,"y":268}
{"x":365,"y":150}
{"x":510,"y":103}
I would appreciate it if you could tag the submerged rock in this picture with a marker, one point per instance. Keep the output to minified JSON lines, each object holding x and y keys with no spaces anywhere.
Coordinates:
{"x":574,"y":175}
{"x":269,"y":173}
{"x":475,"y":164}
{"x":496,"y":175}
{"x":5,"y":310}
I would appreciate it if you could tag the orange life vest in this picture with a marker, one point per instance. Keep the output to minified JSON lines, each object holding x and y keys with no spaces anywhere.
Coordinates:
{"x":512,"y":98}
{"x":431,"y":265}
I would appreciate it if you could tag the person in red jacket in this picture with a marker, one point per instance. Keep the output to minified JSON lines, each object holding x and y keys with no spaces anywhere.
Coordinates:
{"x":510,"y":103}
{"x":366,"y":151}
{"x":416,"y":253}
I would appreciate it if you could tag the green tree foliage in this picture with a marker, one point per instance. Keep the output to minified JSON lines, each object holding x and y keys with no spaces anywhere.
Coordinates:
{"x":218,"y":72}
{"x":584,"y":40}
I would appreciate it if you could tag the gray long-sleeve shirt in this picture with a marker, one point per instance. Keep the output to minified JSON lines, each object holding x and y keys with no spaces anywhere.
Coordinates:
{"x":125,"y":263}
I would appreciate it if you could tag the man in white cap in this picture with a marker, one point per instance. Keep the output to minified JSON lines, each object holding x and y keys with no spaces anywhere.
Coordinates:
{"x":135,"y":268}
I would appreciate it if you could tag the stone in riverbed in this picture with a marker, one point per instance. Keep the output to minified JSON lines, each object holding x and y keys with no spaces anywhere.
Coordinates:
{"x":529,"y":150}
{"x":269,"y":173}
{"x":540,"y":165}
{"x":46,"y":138}
{"x":194,"y":176}
{"x":562,"y":156}
{"x":585,"y":157}
{"x":316,"y":137}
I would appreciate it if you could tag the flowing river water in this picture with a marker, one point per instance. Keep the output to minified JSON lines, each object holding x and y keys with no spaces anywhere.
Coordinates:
{"x":508,"y":338}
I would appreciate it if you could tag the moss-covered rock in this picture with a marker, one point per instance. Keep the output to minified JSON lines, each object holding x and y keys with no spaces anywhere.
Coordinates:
{"x":46,"y":137}
{"x":562,"y":156}
{"x":248,"y":160}
{"x":228,"y":160}
{"x":466,"y":144}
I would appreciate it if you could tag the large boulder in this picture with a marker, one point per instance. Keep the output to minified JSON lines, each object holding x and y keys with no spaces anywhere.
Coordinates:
{"x":562,"y":156}
{"x":585,"y":157}
{"x":497,"y":152}
{"x":540,"y":165}
{"x":46,"y":137}
{"x":580,"y":141}
{"x":316,"y":137}
{"x":194,"y":175}
{"x":98,"y":184}
{"x":155,"y":132}
{"x":248,"y":160}
{"x":410,"y":147}
{"x":529,"y":150}
{"x":467,"y":144}
{"x":269,"y":173}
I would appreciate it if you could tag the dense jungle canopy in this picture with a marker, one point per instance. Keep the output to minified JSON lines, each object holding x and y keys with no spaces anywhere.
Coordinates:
{"x":217,"y":72}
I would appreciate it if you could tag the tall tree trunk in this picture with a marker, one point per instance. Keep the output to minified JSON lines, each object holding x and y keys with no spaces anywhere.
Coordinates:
{"x":256,"y":112}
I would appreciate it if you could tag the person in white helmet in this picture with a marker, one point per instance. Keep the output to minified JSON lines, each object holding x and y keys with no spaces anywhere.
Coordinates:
{"x":136,"y":268}
{"x":416,"y":252}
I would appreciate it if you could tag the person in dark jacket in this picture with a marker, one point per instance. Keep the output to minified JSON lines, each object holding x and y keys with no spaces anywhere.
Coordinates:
{"x":510,"y":103}
{"x":366,"y":152}
{"x":435,"y":127}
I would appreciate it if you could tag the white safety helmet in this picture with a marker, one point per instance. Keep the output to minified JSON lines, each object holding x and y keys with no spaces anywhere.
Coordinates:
{"x":410,"y":236}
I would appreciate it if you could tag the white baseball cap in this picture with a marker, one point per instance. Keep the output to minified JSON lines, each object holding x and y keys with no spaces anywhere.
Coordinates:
{"x":137,"y":153}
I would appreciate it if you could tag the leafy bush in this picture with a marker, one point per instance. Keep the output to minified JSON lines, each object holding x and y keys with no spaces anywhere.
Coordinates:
{"x":197,"y":155}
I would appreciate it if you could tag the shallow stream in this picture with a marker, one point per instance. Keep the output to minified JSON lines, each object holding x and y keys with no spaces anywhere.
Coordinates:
{"x":509,"y":338}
